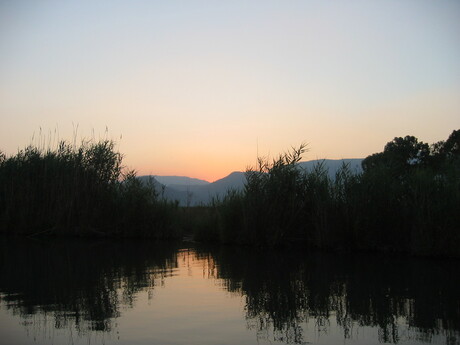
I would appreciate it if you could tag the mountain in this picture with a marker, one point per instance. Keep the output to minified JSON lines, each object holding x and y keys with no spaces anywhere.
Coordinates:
{"x":162,"y":190}
{"x":235,"y":180}
{"x":194,"y":192}
{"x":197,"y":194}
{"x":333,"y":165}
{"x":180,"y":180}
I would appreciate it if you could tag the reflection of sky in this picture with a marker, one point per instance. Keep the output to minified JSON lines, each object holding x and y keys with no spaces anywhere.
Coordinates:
{"x":189,"y":309}
{"x":193,"y":86}
{"x":190,"y":305}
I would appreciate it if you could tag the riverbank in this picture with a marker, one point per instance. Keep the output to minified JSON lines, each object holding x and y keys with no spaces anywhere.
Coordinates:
{"x":406,"y":200}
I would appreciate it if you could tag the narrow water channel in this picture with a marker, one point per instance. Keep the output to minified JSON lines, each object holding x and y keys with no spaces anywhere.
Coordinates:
{"x":140,"y":292}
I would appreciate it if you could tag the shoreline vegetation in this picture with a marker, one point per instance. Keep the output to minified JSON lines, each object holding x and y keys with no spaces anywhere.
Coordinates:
{"x":406,"y":200}
{"x":79,"y":191}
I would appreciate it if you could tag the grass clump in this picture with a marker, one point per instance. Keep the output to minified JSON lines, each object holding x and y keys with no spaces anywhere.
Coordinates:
{"x":78,"y":191}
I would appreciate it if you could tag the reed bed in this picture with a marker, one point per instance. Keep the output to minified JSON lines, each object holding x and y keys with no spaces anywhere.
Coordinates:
{"x":81,"y":191}
{"x":407,"y":199}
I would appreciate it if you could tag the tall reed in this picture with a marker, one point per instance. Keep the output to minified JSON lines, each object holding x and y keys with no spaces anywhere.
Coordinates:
{"x":407,"y":200}
{"x":78,"y":191}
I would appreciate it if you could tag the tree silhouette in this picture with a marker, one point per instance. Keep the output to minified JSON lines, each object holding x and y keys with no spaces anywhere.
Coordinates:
{"x":399,"y":155}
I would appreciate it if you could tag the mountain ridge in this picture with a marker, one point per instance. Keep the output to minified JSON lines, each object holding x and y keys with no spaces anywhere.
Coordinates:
{"x":179,"y":180}
{"x":197,"y":192}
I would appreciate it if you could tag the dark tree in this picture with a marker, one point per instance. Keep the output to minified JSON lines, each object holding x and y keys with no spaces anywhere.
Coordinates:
{"x":451,"y":148}
{"x":445,"y":153}
{"x":399,"y":155}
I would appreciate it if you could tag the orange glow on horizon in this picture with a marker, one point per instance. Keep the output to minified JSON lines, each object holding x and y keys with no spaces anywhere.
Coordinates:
{"x":208,"y":173}
{"x":186,"y":90}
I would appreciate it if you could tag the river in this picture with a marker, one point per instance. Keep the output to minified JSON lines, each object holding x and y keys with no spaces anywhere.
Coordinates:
{"x":139,"y":292}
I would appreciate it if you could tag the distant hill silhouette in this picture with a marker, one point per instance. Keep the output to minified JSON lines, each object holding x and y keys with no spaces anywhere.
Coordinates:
{"x":196,"y":194}
{"x":333,"y":165}
{"x":193,"y":192}
{"x":180,"y":180}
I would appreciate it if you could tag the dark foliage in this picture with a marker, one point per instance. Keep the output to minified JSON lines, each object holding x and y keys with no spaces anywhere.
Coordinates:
{"x":406,"y":200}
{"x":78,"y":191}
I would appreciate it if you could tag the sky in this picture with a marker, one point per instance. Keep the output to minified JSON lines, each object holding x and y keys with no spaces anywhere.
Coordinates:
{"x":201,"y":88}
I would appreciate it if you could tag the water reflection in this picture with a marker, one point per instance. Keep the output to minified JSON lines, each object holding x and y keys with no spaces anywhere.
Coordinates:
{"x":79,"y":282}
{"x":285,"y":289}
{"x":288,"y":295}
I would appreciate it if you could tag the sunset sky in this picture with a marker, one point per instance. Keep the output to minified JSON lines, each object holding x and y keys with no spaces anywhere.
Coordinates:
{"x":199,"y":88}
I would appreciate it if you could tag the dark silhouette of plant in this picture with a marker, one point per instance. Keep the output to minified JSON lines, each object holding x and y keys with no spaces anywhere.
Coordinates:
{"x":399,"y":156}
{"x":80,"y":191}
{"x":405,"y":200}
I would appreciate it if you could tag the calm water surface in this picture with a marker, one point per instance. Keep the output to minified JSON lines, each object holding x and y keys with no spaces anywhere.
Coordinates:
{"x":136,"y":292}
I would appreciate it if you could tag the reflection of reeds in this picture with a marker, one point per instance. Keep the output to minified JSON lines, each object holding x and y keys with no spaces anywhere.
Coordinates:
{"x":78,"y":190}
{"x":80,"y":282}
{"x":285,"y":290}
